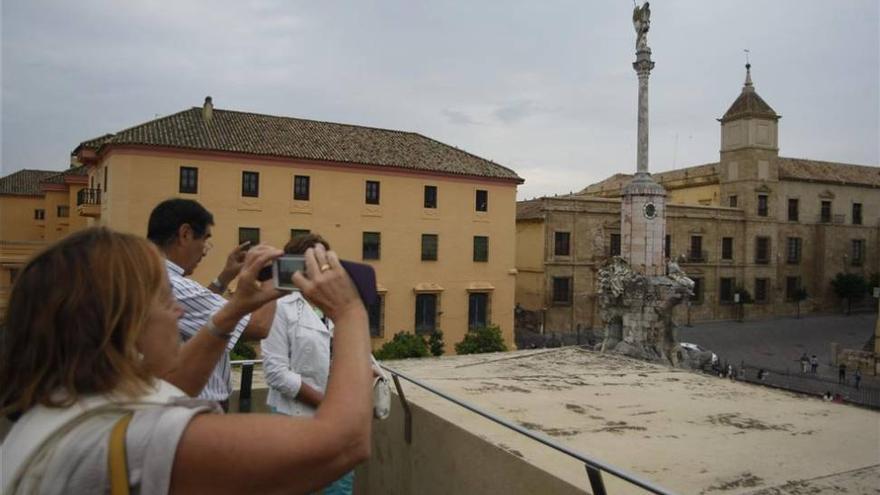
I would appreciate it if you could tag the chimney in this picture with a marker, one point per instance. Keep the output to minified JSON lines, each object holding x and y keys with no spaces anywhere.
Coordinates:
{"x":208,"y":109}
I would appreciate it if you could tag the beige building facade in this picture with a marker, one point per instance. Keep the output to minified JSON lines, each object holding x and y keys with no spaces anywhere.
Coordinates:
{"x":752,"y":221}
{"x":36,"y":207}
{"x":436,"y":223}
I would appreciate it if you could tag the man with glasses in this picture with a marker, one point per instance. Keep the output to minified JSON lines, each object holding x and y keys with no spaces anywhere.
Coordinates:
{"x":181,"y":228}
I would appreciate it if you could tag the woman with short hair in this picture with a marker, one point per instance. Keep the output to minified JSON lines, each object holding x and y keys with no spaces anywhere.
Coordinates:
{"x":296,"y":356}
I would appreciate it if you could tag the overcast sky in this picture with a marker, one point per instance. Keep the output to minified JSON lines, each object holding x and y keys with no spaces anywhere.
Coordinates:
{"x":543,"y":87}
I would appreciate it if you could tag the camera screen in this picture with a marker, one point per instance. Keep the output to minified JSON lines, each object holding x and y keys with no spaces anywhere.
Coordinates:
{"x":284,"y":268}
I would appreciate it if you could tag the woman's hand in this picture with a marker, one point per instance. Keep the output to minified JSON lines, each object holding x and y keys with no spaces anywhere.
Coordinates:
{"x":251,"y":294}
{"x":326,"y":284}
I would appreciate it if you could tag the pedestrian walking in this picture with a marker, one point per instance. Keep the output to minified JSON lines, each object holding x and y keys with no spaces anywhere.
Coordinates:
{"x":805,"y":362}
{"x":857,"y":376}
{"x":841,"y":373}
{"x":814,"y":364}
{"x":730,"y":373}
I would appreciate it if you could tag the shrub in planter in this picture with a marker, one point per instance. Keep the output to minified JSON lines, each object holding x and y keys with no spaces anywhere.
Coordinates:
{"x":480,"y":340}
{"x":403,"y":345}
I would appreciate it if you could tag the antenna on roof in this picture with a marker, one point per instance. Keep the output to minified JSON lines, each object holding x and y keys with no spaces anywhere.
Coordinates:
{"x":748,"y":86}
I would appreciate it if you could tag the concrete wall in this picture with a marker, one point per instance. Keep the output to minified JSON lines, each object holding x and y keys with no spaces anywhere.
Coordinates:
{"x":444,"y":458}
{"x":17,"y":221}
{"x":696,"y":195}
{"x":22,"y":235}
{"x":140,"y":179}
{"x":530,"y":239}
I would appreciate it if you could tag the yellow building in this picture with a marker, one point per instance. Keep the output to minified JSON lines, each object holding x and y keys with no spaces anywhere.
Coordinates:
{"x":437,"y":223}
{"x":35,"y":208}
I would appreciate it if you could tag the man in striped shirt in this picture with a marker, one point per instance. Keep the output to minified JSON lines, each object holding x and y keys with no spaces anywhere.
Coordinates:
{"x":181,"y":228}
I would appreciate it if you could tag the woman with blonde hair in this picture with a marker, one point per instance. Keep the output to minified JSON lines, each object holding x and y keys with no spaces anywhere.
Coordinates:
{"x":89,"y":335}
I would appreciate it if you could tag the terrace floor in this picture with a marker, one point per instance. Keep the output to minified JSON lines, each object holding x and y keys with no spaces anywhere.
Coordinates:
{"x":689,"y":432}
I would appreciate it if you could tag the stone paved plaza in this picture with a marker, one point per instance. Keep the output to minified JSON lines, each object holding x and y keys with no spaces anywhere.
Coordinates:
{"x":779,"y":342}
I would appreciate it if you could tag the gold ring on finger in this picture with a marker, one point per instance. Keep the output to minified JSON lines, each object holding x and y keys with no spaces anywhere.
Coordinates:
{"x":325,"y":267}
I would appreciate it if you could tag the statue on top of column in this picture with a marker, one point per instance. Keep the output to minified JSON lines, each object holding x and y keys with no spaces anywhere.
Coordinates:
{"x":642,"y":22}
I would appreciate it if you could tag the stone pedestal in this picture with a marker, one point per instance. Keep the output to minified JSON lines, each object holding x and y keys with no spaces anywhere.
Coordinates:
{"x":643,"y":225}
{"x":637,"y":311}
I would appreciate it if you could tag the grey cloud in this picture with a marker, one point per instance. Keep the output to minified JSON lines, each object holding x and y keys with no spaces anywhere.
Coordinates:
{"x":545,"y":88}
{"x":519,"y":110}
{"x":459,"y":118}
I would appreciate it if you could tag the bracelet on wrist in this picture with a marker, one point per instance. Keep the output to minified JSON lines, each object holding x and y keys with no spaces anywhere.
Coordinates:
{"x":211,"y":328}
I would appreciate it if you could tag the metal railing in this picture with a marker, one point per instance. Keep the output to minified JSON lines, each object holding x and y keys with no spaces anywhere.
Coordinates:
{"x":88,"y":197}
{"x":593,"y":466}
{"x":247,"y":381}
{"x":811,"y":383}
{"x":837,"y":218}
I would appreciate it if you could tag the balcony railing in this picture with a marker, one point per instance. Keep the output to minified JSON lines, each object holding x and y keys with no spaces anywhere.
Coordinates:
{"x":88,"y":197}
{"x":837,"y":218}
{"x":697,"y":256}
{"x":593,"y":466}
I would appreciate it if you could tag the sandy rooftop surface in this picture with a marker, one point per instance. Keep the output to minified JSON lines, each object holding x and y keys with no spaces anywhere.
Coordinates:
{"x":688,"y":432}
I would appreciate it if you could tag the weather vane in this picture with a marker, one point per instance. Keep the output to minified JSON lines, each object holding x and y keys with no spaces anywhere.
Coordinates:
{"x":747,"y":54}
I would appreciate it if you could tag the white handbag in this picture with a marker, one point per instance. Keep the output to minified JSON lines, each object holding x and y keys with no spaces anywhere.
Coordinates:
{"x":381,"y":392}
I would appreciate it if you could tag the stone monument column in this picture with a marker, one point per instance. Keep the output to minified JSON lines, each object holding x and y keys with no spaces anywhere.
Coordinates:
{"x":643,"y":204}
{"x":636,"y":294}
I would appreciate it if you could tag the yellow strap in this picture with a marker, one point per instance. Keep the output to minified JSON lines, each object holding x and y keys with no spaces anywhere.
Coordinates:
{"x":116,"y":459}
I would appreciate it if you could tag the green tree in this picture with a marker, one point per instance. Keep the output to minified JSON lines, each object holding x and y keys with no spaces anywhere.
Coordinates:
{"x":435,"y":343}
{"x":849,"y":286}
{"x":403,"y":345}
{"x":243,"y":351}
{"x":480,"y":340}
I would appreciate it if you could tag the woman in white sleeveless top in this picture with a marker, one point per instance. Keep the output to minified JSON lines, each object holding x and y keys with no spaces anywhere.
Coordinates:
{"x":89,"y":335}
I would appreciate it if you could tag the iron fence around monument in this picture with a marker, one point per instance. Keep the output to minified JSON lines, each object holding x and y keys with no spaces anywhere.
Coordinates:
{"x":809,"y":383}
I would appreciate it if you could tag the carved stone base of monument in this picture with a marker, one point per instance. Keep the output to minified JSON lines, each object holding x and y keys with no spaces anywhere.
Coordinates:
{"x":637,"y":312}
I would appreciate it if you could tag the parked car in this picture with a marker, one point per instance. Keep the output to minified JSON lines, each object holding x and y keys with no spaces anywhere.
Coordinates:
{"x":694,"y":348}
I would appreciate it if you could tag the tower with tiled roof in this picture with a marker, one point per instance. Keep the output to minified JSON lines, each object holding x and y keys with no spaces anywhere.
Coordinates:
{"x":749,"y":150}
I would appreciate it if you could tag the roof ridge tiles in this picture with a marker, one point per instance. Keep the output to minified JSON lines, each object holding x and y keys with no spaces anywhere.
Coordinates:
{"x":302,"y":119}
{"x":465,"y":152}
{"x":236,"y":131}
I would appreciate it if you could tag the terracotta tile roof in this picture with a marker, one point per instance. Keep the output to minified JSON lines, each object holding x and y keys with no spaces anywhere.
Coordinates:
{"x":749,"y":104}
{"x":24,"y":182}
{"x":613,"y":183}
{"x":267,"y":135}
{"x":789,"y":169}
{"x":532,"y":209}
{"x":831,"y":172}
{"x":95,"y":143}
{"x":58,"y":178}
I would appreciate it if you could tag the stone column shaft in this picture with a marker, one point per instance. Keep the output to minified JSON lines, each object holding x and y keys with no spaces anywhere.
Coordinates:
{"x":643,"y":66}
